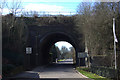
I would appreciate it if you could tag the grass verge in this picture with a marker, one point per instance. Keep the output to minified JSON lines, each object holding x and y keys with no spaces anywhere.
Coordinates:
{"x":61,"y":60}
{"x":90,"y":75}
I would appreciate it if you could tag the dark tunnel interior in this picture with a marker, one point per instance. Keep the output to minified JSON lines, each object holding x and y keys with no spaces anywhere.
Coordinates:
{"x":50,"y":40}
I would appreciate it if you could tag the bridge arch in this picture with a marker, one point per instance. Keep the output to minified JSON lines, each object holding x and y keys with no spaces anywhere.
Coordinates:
{"x":50,"y":39}
{"x":41,"y":39}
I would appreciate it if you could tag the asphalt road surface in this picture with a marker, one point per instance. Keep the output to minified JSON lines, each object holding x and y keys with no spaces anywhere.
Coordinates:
{"x":63,"y":70}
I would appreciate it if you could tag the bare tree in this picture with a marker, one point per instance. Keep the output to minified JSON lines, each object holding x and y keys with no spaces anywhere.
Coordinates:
{"x":30,"y":13}
{"x":15,"y":6}
{"x":14,"y":27}
{"x":96,"y":23}
{"x":85,"y":17}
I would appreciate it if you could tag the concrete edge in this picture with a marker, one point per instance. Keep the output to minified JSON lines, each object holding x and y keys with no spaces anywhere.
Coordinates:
{"x":81,"y":74}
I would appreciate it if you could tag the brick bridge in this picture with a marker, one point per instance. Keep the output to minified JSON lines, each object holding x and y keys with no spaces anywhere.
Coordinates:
{"x":41,"y":38}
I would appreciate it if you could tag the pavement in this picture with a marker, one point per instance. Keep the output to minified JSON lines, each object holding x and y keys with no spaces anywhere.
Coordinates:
{"x":60,"y":70}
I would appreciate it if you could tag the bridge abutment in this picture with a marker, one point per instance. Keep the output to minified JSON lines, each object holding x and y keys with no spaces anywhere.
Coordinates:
{"x":41,"y":38}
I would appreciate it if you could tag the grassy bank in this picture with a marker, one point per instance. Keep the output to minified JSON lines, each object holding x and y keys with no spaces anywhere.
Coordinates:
{"x":85,"y":71}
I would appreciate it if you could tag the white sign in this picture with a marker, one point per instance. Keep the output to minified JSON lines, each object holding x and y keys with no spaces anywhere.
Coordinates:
{"x":82,"y":55}
{"x":28,"y":50}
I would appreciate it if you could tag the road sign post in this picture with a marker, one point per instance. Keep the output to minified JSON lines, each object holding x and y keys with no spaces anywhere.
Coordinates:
{"x":79,"y":62}
{"x":28,"y":52}
{"x":82,"y":55}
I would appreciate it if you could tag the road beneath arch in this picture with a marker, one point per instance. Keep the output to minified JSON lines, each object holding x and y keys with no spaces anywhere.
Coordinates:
{"x":63,"y":69}
{"x":59,"y":70}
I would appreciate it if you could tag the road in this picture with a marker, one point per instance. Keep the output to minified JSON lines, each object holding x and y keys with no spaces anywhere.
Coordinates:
{"x":62,"y":69}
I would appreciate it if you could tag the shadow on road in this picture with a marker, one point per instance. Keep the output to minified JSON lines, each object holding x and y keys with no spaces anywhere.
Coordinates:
{"x":62,"y":70}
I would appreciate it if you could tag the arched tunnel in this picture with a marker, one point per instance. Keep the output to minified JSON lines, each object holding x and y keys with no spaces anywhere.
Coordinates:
{"x":50,"y":39}
{"x":42,"y":45}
